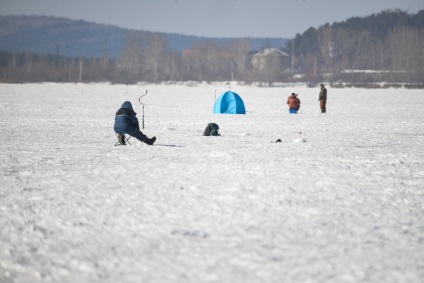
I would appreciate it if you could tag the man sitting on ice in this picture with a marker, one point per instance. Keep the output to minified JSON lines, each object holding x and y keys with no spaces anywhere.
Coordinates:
{"x":126,"y":122}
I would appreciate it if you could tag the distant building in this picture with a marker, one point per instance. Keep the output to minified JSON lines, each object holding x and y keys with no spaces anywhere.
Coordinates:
{"x":271,"y":58}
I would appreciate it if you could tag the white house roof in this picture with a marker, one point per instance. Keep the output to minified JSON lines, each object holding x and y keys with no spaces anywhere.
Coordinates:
{"x":271,"y":51}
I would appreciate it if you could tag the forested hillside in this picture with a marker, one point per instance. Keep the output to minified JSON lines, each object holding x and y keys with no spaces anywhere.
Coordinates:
{"x":390,"y":41}
{"x":75,"y":38}
{"x":59,"y":36}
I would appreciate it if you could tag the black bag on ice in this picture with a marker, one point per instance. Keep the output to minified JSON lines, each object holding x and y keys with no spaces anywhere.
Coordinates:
{"x":211,"y":130}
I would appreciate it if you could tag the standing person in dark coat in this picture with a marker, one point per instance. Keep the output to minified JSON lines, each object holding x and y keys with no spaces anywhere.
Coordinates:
{"x":323,"y":99}
{"x":293,"y":102}
{"x":126,"y":122}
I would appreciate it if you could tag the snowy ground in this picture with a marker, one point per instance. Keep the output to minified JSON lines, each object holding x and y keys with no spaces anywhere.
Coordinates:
{"x":341,"y":199}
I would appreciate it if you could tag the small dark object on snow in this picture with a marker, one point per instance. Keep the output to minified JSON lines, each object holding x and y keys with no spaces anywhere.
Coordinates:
{"x":211,"y":130}
{"x":279,"y":140}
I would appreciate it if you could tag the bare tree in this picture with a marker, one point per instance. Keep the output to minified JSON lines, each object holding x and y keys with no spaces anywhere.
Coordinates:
{"x":172,"y":66}
{"x":406,"y":46}
{"x":324,"y":36}
{"x":131,"y":60}
{"x":239,"y":51}
{"x":153,"y":53}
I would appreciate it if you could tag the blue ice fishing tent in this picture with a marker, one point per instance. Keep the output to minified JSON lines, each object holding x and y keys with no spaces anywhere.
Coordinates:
{"x":229,"y":103}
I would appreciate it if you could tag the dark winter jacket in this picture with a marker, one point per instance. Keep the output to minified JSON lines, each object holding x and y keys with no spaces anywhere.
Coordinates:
{"x":323,"y":94}
{"x":293,"y":102}
{"x":126,"y":120}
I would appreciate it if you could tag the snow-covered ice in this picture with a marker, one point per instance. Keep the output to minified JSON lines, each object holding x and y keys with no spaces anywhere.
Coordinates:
{"x":340,"y":199}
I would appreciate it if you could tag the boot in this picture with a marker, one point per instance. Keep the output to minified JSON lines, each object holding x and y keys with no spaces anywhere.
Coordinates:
{"x":150,"y":141}
{"x":121,"y":139}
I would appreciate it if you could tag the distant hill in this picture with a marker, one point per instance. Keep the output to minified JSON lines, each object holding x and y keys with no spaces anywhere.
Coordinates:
{"x":73,"y":38}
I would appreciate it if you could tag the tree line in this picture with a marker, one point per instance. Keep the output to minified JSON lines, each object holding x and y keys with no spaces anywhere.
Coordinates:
{"x":390,"y":44}
{"x":145,"y":57}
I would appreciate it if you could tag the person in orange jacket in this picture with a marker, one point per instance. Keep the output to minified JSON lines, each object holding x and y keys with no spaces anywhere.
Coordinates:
{"x":293,"y":102}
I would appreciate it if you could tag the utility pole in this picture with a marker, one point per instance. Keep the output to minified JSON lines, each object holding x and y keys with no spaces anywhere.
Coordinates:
{"x":14,"y":57}
{"x":232,"y":70}
{"x":292,"y":57}
{"x":57,"y":53}
{"x":80,"y":69}
{"x":28,"y":60}
{"x":105,"y":55}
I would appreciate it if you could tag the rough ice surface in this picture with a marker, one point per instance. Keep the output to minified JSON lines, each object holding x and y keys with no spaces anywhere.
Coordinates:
{"x":339,"y":199}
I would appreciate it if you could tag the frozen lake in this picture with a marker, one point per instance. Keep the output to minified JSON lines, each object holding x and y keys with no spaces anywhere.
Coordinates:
{"x":340,"y":199}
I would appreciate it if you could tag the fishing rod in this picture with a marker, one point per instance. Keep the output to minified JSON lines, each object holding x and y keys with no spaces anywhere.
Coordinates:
{"x":139,"y":100}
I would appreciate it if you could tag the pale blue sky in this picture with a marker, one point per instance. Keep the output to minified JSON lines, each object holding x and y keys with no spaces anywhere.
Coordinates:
{"x":211,"y":18}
